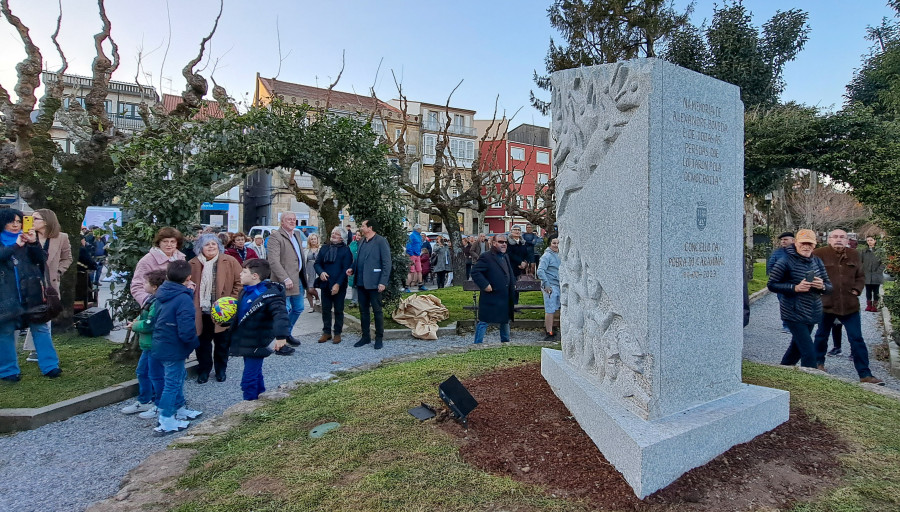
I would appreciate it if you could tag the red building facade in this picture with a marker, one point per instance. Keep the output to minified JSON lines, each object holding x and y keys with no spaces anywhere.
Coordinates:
{"x":526,"y":153}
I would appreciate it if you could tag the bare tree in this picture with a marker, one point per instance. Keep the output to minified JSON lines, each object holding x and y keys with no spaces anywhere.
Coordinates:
{"x":822,"y":207}
{"x":453,"y":186}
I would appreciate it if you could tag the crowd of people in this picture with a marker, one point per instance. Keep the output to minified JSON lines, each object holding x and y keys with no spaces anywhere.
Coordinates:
{"x":821,"y":287}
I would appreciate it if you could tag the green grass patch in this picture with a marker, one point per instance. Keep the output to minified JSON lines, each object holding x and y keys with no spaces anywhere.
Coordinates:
{"x":381,"y":459}
{"x":85,"y":368}
{"x":760,"y":279}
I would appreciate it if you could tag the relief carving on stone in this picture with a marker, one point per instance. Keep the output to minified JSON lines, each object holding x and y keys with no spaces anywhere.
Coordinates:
{"x":596,"y":338}
{"x":590,"y":110}
{"x":588,"y":116}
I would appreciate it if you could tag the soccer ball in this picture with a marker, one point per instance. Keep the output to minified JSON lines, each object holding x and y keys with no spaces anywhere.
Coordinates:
{"x":223,"y":310}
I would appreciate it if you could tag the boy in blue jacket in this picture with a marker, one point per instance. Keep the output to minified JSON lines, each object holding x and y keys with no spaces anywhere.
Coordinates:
{"x":261,"y":316}
{"x":174,"y":337}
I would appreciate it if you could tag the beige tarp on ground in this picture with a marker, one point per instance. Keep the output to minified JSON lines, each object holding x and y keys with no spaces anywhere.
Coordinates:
{"x":421,"y":313}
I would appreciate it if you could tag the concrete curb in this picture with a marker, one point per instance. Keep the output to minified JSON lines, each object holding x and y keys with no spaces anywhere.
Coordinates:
{"x":758,"y":295}
{"x":14,"y":420}
{"x":893,"y":349}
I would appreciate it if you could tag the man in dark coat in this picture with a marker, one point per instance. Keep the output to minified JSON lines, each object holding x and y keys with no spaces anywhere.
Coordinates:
{"x":845,"y":270}
{"x":331,"y":268}
{"x":372,"y":269}
{"x":801,"y":278}
{"x":787,"y":240}
{"x":494,"y":275}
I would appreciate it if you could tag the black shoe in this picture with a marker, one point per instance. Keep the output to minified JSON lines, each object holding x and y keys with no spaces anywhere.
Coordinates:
{"x":285,"y":351}
{"x":378,"y":344}
{"x":549,"y":337}
{"x":220,"y":376}
{"x":292,"y":341}
{"x":361,"y":342}
{"x":202,"y":378}
{"x":12,"y":378}
{"x":54,"y":373}
{"x":834,"y":352}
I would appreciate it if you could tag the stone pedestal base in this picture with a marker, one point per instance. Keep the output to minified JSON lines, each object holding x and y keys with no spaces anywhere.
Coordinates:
{"x":653,"y":454}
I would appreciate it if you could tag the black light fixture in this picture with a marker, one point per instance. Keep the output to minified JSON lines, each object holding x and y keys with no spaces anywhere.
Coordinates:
{"x":458,"y":399}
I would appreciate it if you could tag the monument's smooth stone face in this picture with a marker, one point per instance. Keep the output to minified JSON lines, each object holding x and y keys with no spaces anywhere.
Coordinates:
{"x":649,"y":159}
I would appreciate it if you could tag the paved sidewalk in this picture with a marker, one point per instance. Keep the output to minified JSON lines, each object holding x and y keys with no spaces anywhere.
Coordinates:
{"x":765,"y":343}
{"x":70,"y":464}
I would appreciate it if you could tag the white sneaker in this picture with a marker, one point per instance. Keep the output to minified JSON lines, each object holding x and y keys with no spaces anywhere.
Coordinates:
{"x":169,"y":425}
{"x":186,"y":414}
{"x":149,"y":413}
{"x":137,"y":407}
{"x":32,"y":357}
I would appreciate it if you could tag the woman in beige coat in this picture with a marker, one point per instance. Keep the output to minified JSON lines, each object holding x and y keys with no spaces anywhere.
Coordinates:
{"x":215,"y":275}
{"x":59,"y":256}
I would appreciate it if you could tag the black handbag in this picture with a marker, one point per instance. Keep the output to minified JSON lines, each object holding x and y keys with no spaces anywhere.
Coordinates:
{"x":40,"y":300}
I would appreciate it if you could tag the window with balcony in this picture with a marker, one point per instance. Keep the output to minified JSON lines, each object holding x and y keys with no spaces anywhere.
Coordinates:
{"x":517,"y":153}
{"x":129,"y":110}
{"x":543,"y":157}
{"x":428,"y":142}
{"x":463,"y":150}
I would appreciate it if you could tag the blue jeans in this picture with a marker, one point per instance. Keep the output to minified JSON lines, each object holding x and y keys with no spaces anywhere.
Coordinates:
{"x":854,"y":337}
{"x":481,"y":329}
{"x":294,"y":307}
{"x":43,"y":345}
{"x":801,"y":347}
{"x":147,"y":391}
{"x":172,"y":397}
{"x":156,"y":372}
{"x":252,"y":381}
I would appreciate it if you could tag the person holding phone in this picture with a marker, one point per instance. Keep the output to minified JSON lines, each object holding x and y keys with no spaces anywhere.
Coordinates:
{"x":21,"y":262}
{"x":800,"y":277}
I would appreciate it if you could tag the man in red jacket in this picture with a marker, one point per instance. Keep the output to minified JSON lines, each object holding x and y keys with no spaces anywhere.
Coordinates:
{"x":848,"y":279}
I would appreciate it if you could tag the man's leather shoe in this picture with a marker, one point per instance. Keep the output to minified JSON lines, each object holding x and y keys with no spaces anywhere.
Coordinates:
{"x":872,"y":380}
{"x":285,"y":351}
{"x":292,"y":341}
{"x":378,"y":344}
{"x":202,"y":378}
{"x":220,"y":377}
{"x":361,"y":342}
{"x":337,"y":339}
{"x":324,"y":338}
{"x":820,"y":367}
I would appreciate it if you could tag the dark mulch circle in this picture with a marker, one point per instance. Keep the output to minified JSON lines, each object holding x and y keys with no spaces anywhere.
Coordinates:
{"x":521,"y":429}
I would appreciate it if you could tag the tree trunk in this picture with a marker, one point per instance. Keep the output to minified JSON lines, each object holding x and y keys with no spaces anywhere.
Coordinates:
{"x":72,"y":227}
{"x":329,"y":216}
{"x":457,"y":258}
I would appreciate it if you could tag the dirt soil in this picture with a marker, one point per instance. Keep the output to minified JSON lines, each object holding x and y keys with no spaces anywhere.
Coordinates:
{"x":522,"y":430}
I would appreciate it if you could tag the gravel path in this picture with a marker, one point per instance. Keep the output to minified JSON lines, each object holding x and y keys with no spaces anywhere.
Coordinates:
{"x":765,"y":343}
{"x":70,"y":464}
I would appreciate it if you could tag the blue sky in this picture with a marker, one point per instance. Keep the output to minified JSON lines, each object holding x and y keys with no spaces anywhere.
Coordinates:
{"x":493,"y":46}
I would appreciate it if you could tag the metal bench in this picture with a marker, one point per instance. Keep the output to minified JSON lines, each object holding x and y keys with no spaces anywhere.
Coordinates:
{"x":524,"y":284}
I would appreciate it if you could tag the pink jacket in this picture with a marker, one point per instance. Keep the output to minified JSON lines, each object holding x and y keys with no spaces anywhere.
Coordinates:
{"x":153,"y":260}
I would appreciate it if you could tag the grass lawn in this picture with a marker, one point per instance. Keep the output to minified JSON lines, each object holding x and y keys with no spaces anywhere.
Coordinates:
{"x":454,"y":298}
{"x":383,"y":459}
{"x":760,"y":279}
{"x":86,"y":367}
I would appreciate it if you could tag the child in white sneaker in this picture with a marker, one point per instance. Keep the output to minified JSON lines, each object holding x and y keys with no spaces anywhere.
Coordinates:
{"x":149,"y":383}
{"x":174,"y":337}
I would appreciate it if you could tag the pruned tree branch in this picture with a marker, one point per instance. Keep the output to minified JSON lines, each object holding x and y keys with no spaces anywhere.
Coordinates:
{"x":197,"y":87}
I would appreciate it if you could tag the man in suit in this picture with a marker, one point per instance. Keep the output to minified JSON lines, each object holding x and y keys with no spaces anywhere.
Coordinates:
{"x":372,"y":269}
{"x":494,"y":275}
{"x":286,"y":259}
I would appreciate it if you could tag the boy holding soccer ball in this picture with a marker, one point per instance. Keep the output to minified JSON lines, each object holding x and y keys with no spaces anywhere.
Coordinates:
{"x":261,"y":317}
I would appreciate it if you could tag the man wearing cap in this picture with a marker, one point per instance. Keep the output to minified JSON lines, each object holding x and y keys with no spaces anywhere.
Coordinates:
{"x":800,"y":277}
{"x":787,"y":240}
{"x":847,"y":275}
{"x":414,"y":251}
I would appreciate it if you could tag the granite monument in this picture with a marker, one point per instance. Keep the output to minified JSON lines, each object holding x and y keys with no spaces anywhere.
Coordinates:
{"x":649,"y":159}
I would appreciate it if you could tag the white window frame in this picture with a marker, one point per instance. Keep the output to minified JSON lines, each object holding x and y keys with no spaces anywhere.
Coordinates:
{"x":543,"y":157}
{"x":543,"y":178}
{"x":517,"y":154}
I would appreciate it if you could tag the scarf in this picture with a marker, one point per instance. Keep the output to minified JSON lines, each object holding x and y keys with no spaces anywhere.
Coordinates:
{"x":8,"y":238}
{"x":159,"y":252}
{"x":207,"y":282}
{"x":331,"y":252}
{"x":260,"y":250}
